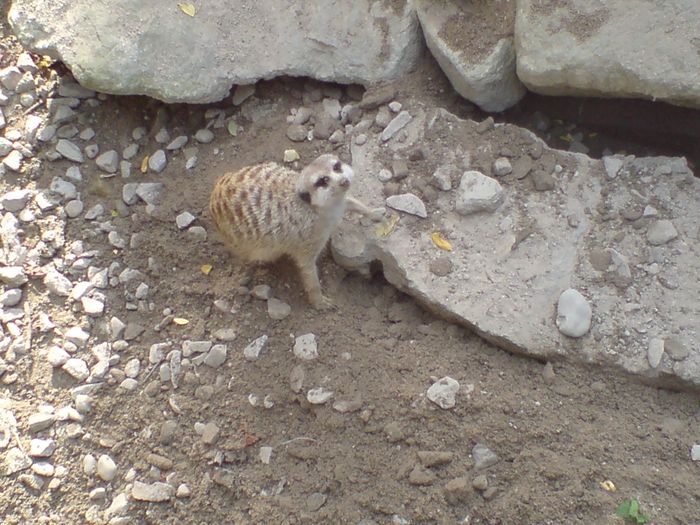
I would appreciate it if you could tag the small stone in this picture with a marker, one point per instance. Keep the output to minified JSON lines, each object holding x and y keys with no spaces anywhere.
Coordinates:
{"x":477,"y":193}
{"x":41,"y":448}
{"x":157,"y":161}
{"x":695,"y":452}
{"x":242,"y":93}
{"x":548,"y":373}
{"x":398,"y":122}
{"x":69,"y":150}
{"x":573,"y":314}
{"x":14,"y":201}
{"x":655,"y":352}
{"x":92,"y":307}
{"x":77,"y":368}
{"x":46,"y":133}
{"x":11,"y":297}
{"x":483,"y":457}
{"x":252,"y":351}
{"x":116,"y":240}
{"x":57,"y":356}
{"x":106,"y":468}
{"x":543,"y":181}
{"x":10,"y":77}
{"x":184,"y":219}
{"x":318,"y":396}
{"x":63,"y":188}
{"x":57,"y":283}
{"x":210,"y":433}
{"x":183,"y":491}
{"x":315,"y":501}
{"x":457,"y":490}
{"x":204,"y":136}
{"x":432,"y":458}
{"x":442,"y":178}
{"x":162,"y":136}
{"x":442,"y":266}
{"x":675,"y":349}
{"x":385,"y":175}
{"x":162,"y":462}
{"x":91,"y":151}
{"x":177,"y":143}
{"x":443,"y":392}
{"x":297,"y":133}
{"x":262,"y":291}
{"x":501,"y":166}
{"x":277,"y":309}
{"x":265,"y":455}
{"x":13,"y":276}
{"x":661,"y":232}
{"x":612,"y":166}
{"x":216,"y":356}
{"x":67,"y":131}
{"x":395,"y":106}
{"x":15,"y":461}
{"x":150,"y":192}
{"x":407,"y":203}
{"x":195,"y":347}
{"x":74,"y":90}
{"x":360,"y":139}
{"x":480,"y":483}
{"x":485,"y":125}
{"x":154,"y":492}
{"x":73,"y":208}
{"x":93,"y":213}
{"x":108,"y":161}
{"x":43,"y":468}
{"x":77,"y":336}
{"x":89,"y":465}
{"x":337,"y":137}
{"x":168,"y":431}
{"x":13,"y":161}
{"x":305,"y":347}
{"x":296,"y":378}
{"x":420,"y":476}
{"x":40,"y":421}
{"x":87,"y":134}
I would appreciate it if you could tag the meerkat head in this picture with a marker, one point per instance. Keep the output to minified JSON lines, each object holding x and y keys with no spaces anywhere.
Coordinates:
{"x":324,"y":182}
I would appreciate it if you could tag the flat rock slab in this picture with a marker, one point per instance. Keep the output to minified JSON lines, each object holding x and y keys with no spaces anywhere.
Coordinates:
{"x":153,"y":48}
{"x":588,"y":48}
{"x":473,"y":43}
{"x":509,"y":266}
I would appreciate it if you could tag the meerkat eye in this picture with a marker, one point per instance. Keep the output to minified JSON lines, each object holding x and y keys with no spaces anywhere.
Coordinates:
{"x":322,"y":182}
{"x":338,"y":166}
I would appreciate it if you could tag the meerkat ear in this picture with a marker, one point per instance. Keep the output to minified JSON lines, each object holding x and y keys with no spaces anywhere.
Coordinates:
{"x":305,"y":196}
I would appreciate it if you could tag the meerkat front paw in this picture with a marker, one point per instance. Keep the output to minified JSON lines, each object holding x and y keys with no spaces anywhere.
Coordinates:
{"x":377,"y":214}
{"x":322,"y":303}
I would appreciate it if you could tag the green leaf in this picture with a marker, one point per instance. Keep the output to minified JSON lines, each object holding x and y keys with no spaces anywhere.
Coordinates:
{"x":232,"y":127}
{"x":624,"y":509}
{"x":634,"y":508}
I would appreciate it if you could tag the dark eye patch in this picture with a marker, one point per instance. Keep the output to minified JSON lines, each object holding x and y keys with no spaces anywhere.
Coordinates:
{"x":322,"y":182}
{"x":338,"y":166}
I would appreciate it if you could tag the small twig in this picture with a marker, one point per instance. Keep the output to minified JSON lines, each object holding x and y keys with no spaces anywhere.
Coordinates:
{"x":32,"y":107}
{"x":28,"y":336}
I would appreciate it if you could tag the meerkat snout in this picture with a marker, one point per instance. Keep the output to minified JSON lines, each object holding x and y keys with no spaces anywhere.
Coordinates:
{"x":266,"y":211}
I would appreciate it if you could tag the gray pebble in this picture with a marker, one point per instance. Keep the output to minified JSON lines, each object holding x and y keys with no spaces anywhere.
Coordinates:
{"x":69,"y":150}
{"x":661,"y":232}
{"x":91,"y":151}
{"x":13,"y":161}
{"x":198,"y":233}
{"x":573,"y":314}
{"x":157,"y":161}
{"x":242,"y":93}
{"x":11,"y":297}
{"x":177,"y":143}
{"x":483,"y":457}
{"x":277,"y":309}
{"x":77,"y":368}
{"x":130,"y":151}
{"x":96,"y":211}
{"x":57,"y":283}
{"x":399,"y":122}
{"x":205,"y":136}
{"x":46,"y":133}
{"x":477,"y":193}
{"x":297,"y":133}
{"x":252,"y":351}
{"x":407,"y":203}
{"x":655,"y":352}
{"x":108,"y":161}
{"x":184,"y":219}
{"x":318,"y":396}
{"x":41,"y":448}
{"x":73,"y":208}
{"x":305,"y":347}
{"x":443,"y":392}
{"x":154,"y":492}
{"x":262,"y":291}
{"x":162,"y":136}
{"x":87,"y":134}
{"x":216,"y":356}
{"x":14,"y":201}
{"x":501,"y":166}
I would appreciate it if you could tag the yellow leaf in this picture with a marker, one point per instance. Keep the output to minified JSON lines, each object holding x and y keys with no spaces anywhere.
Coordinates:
{"x":608,"y":485}
{"x":180,"y":321}
{"x":441,"y":242}
{"x":567,"y":138}
{"x":206,"y":269}
{"x":385,"y":228}
{"x":45,"y":62}
{"x":114,"y":213}
{"x":592,"y":135}
{"x":144,"y":164}
{"x":188,"y":9}
{"x":290,"y":155}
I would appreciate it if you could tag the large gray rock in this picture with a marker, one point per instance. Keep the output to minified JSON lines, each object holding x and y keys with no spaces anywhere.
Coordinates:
{"x":619,"y":48}
{"x":474,"y":48}
{"x":153,"y":48}
{"x":509,"y":265}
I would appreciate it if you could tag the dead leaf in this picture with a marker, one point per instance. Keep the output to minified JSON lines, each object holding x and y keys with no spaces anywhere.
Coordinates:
{"x":188,"y":9}
{"x":385,"y":228}
{"x":608,"y":485}
{"x":206,"y":269}
{"x":290,"y":155}
{"x":144,"y":164}
{"x":441,"y":242}
{"x":180,"y":321}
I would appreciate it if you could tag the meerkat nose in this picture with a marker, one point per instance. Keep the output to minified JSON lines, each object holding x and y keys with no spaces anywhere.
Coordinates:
{"x":345,"y":182}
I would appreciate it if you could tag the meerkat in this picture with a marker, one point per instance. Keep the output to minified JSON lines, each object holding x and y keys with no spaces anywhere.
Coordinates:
{"x":266,"y":211}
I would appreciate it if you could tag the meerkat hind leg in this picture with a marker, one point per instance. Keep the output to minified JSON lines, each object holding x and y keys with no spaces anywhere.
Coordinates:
{"x":376,"y":214}
{"x":312,"y":284}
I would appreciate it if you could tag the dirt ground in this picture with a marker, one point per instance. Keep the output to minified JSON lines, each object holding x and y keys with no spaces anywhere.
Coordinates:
{"x":557,"y":438}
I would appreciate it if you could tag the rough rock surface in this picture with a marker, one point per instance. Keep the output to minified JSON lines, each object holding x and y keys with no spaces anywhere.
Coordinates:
{"x":489,"y":81}
{"x":509,"y":266}
{"x":594,"y":48}
{"x":166,"y":54}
